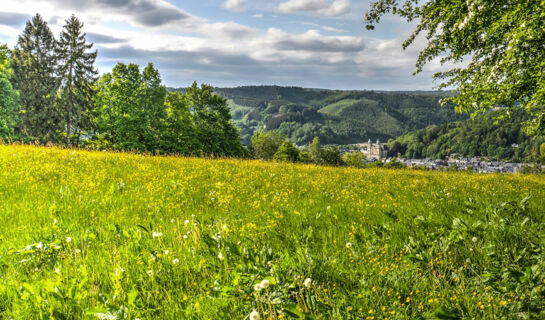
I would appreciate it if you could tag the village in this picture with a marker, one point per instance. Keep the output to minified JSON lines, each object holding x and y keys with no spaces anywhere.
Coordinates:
{"x":379,"y":152}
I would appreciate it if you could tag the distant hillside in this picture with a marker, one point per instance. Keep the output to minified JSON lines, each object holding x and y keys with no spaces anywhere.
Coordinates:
{"x":485,"y":136}
{"x":336,"y":117}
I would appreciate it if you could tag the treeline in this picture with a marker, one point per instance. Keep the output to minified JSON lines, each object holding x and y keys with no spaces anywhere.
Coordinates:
{"x":485,"y":136}
{"x":50,"y":93}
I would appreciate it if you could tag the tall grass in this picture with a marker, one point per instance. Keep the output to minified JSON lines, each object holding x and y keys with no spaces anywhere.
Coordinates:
{"x":119,"y":236}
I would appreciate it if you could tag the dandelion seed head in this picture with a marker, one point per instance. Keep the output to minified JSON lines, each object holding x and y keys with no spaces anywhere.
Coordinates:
{"x":265,"y":284}
{"x":254,"y":315}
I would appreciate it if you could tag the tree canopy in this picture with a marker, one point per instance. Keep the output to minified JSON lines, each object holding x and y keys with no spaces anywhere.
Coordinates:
{"x":9,"y":106}
{"x":497,"y":49}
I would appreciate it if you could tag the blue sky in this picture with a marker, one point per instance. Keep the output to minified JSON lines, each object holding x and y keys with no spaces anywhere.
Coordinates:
{"x":307,"y":43}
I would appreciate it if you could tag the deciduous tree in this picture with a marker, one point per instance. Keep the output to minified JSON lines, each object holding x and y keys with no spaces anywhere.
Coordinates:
{"x":497,"y":48}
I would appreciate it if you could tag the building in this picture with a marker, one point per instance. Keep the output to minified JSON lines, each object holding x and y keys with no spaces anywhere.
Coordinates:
{"x":372,"y":150}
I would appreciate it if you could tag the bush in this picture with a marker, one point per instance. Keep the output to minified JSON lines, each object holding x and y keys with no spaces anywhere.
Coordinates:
{"x":394,"y":164}
{"x":286,"y":152}
{"x":354,"y":159}
{"x":266,"y":144}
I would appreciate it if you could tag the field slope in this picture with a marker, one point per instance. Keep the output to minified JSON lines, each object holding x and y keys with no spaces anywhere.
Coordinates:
{"x":115,"y":236}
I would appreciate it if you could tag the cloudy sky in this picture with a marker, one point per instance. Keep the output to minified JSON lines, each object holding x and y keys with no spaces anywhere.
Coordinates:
{"x":308,"y":43}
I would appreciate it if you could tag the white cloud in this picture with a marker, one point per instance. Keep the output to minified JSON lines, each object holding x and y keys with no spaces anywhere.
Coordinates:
{"x":317,"y":7}
{"x":258,"y":15}
{"x":331,"y":29}
{"x":234,"y":5}
{"x":186,"y":47}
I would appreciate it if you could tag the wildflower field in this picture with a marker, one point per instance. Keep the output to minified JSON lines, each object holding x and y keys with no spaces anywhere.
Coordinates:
{"x":95,"y":235}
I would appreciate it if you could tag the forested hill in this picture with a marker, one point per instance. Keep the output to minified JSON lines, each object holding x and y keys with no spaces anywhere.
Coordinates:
{"x":486,"y":136}
{"x":336,"y":117}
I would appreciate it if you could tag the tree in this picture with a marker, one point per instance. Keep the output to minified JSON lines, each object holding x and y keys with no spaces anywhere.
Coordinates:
{"x":286,"y":152}
{"x":9,"y":106}
{"x":315,"y":150}
{"x":77,"y":75}
{"x":129,"y":109}
{"x":34,"y":64}
{"x":331,"y":156}
{"x":304,"y":157}
{"x":503,"y":41}
{"x":179,"y":132}
{"x":354,"y":159}
{"x":266,"y":144}
{"x":216,"y":132}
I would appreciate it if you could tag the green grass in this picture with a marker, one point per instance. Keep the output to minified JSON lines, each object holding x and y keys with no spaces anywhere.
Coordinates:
{"x":119,"y":236}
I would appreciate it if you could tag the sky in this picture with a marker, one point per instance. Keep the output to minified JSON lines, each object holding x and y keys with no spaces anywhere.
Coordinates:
{"x":229,"y":43}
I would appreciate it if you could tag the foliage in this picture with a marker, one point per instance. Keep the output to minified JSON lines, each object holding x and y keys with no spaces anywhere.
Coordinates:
{"x":354,"y":159}
{"x":394,"y":164}
{"x":501,"y":39}
{"x":134,"y":111}
{"x":179,"y":134}
{"x":9,"y":106}
{"x":266,"y":144}
{"x":115,"y":236}
{"x":287,"y":152}
{"x":331,"y":156}
{"x":34,"y":64}
{"x":315,"y":150}
{"x":488,"y":136}
{"x":130,"y":108}
{"x":212,"y":118}
{"x":77,"y":75}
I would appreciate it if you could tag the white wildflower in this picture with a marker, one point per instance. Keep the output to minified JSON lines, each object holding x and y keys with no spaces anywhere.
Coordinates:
{"x":185,"y":236}
{"x":157,"y":234}
{"x":104,"y":316}
{"x":308,"y":282}
{"x":265,"y":284}
{"x":186,"y":221}
{"x":474,"y":239}
{"x":349,"y":245}
{"x":68,"y":239}
{"x":257,"y":287}
{"x":40,"y":245}
{"x":119,"y":271}
{"x":167,"y":252}
{"x":254,"y":315}
{"x":150,"y":273}
{"x":220,"y":256}
{"x":175,"y":261}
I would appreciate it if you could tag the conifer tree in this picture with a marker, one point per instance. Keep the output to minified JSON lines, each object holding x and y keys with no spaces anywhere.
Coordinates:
{"x":77,"y":75}
{"x":34,"y":65}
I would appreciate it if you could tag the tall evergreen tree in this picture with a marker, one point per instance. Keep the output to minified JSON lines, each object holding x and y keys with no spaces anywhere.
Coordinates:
{"x":34,"y":64}
{"x":77,"y":75}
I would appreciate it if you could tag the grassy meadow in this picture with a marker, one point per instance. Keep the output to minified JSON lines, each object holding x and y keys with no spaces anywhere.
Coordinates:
{"x":96,"y":235}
